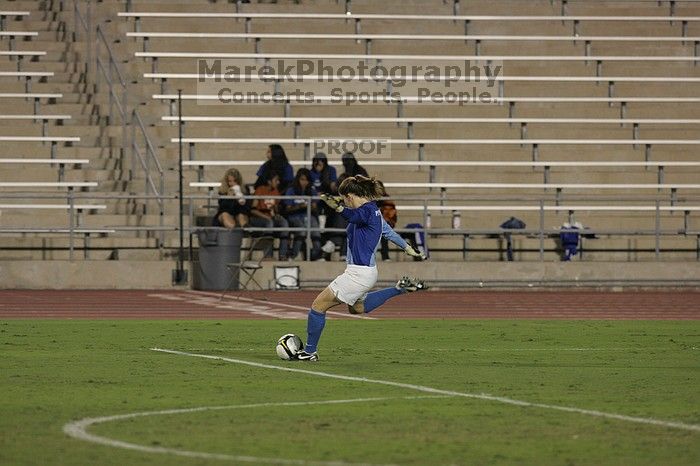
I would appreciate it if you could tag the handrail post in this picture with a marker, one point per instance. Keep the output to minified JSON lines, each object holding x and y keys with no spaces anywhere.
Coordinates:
{"x":657,"y":230}
{"x":425,"y":214}
{"x":541,"y":232}
{"x":147,"y":170}
{"x":125,"y":114}
{"x":132,"y":160}
{"x":75,"y":21}
{"x":180,"y":275}
{"x":88,"y":67}
{"x":133,"y":140}
{"x":308,"y":228}
{"x":71,"y":219}
{"x":191,"y":222}
{"x":161,"y":214}
{"x":110,"y":82}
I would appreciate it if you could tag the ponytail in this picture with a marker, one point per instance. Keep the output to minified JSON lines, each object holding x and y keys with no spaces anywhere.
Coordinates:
{"x":361,"y":186}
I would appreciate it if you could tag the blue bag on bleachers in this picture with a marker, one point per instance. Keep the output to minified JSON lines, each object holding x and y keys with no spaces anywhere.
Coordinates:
{"x":569,"y":240}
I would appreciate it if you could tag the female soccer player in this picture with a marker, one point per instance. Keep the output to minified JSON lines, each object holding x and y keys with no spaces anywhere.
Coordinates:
{"x":365,"y":228}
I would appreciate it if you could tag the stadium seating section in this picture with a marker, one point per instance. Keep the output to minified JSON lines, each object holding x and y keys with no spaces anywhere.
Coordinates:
{"x":599,"y":123}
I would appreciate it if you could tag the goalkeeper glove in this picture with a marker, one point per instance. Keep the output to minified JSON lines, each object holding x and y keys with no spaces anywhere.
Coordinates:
{"x":333,"y":202}
{"x":413,"y":253}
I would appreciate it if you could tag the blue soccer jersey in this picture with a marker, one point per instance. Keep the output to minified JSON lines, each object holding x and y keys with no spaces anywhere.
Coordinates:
{"x":364,"y":232}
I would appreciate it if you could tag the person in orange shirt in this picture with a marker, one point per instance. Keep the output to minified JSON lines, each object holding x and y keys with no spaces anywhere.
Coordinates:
{"x":265,"y":213}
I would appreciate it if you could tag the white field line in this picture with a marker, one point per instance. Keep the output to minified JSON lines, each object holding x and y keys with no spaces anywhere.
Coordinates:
{"x":291,"y":306}
{"x":506,"y":350}
{"x":436,"y":391}
{"x":499,"y":350}
{"x":78,"y":430}
{"x":251,"y":308}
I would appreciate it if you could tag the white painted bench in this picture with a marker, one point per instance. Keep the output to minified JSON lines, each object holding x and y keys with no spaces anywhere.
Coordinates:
{"x":13,"y":34}
{"x":558,"y":187}
{"x":535,"y":143}
{"x":18,"y":34}
{"x":278,"y":79}
{"x":410,"y":121}
{"x":54,"y":140}
{"x":405,"y":37}
{"x":432,"y":165}
{"x":289,"y":100}
{"x":48,"y":184}
{"x":266,"y":57}
{"x":570,"y":208}
{"x":35,"y":117}
{"x":20,"y":54}
{"x":10,"y":13}
{"x":548,"y":208}
{"x":369,"y":38}
{"x":27,"y":75}
{"x":85,"y":232}
{"x":43,"y":118}
{"x":541,"y":186}
{"x":35,"y":96}
{"x":60,"y":162}
{"x":53,"y":206}
{"x":358,"y":18}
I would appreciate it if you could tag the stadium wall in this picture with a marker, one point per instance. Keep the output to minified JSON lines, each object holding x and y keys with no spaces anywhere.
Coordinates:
{"x":460,"y":275}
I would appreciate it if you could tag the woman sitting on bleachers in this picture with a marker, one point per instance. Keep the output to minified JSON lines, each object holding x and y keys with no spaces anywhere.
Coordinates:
{"x":232,"y":213}
{"x":276,"y":164}
{"x":265,"y":213}
{"x":296,"y":211}
{"x":323,"y":177}
{"x":352,"y":168}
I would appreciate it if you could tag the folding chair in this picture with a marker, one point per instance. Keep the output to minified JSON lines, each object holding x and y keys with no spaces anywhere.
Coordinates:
{"x":248,"y":265}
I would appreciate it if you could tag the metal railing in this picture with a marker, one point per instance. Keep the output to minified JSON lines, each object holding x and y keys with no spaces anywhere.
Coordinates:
{"x":199,"y":203}
{"x":144,"y":155}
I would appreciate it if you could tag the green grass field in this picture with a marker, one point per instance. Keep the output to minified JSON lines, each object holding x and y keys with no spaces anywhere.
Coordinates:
{"x":57,"y":371}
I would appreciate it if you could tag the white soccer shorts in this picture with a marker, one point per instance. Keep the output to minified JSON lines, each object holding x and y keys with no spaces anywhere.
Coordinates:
{"x":353,"y":284}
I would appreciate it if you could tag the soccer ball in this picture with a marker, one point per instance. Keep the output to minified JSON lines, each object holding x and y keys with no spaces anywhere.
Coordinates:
{"x":288,"y":346}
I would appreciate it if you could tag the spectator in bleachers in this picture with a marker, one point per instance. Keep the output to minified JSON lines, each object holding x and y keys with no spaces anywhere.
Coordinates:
{"x":232,"y":213}
{"x":352,"y":168}
{"x":323,"y":177}
{"x":331,"y":241}
{"x":265,"y":213}
{"x":296,"y":211}
{"x":276,"y":164}
{"x":390,"y":215}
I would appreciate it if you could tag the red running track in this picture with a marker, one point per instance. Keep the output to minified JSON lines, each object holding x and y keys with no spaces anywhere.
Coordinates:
{"x":165,"y":304}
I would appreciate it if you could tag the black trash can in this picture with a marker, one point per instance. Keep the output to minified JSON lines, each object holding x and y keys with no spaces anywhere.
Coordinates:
{"x":216,"y":249}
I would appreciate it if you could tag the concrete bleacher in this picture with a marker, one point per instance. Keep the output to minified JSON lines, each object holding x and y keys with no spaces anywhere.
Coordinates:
{"x":585,"y":107}
{"x":176,"y":41}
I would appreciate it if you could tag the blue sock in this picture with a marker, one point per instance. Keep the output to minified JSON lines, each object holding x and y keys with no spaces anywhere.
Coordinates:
{"x":314,"y":327}
{"x":377,"y":298}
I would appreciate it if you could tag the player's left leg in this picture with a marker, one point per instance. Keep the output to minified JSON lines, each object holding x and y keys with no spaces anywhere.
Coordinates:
{"x":379,"y":297}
